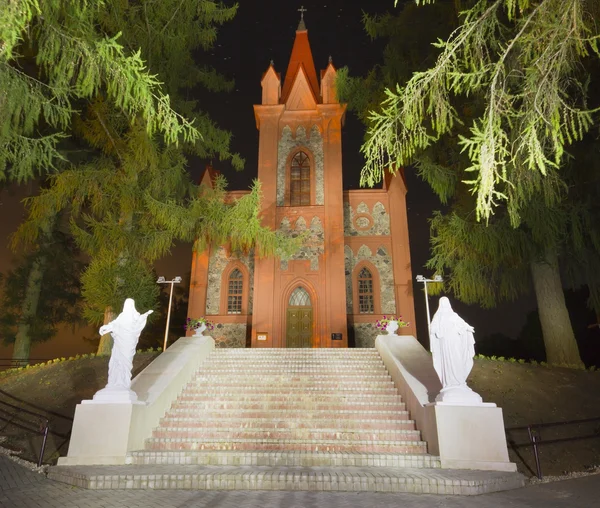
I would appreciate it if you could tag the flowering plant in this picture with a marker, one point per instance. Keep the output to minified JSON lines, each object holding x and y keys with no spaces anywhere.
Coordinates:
{"x":195,"y":323}
{"x":384,"y":321}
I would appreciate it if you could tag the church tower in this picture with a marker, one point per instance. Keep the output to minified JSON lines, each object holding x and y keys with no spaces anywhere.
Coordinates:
{"x":301,"y":302}
{"x":354,"y":266}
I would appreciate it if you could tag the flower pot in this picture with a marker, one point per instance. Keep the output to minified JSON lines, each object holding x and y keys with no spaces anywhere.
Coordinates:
{"x":391,"y":327}
{"x":198,"y":332}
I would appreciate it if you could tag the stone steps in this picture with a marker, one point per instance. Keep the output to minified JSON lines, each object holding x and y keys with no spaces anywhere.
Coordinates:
{"x":269,"y":398}
{"x":219,"y":391}
{"x":266,"y":406}
{"x":268,"y":424}
{"x":266,"y":444}
{"x":363,"y":435}
{"x":283,"y":458}
{"x":277,"y":419}
{"x":194,"y":477}
{"x":192,"y":411}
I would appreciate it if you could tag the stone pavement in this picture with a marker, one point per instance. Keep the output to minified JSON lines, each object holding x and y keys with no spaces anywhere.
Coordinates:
{"x":20,"y":488}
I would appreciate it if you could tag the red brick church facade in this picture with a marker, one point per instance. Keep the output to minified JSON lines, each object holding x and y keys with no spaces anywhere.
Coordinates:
{"x":354,"y":268}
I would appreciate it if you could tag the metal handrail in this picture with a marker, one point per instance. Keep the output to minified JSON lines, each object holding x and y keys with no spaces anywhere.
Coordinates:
{"x":13,"y":416}
{"x":535,"y":439}
{"x":24,"y":402}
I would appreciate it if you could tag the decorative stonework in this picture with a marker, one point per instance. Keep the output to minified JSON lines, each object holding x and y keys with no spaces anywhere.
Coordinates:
{"x":382,"y":260}
{"x":216,"y":265}
{"x":314,"y":245}
{"x":363,"y":222}
{"x":229,"y":335}
{"x":365,"y":334}
{"x":287,"y":144}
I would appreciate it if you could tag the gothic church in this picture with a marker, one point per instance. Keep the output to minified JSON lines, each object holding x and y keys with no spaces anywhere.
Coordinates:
{"x":354,"y":268}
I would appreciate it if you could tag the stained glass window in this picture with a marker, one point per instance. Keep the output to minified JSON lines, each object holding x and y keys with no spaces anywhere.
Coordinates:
{"x":300,"y":180}
{"x":300,"y":298}
{"x":365,"y":292}
{"x":234,"y":292}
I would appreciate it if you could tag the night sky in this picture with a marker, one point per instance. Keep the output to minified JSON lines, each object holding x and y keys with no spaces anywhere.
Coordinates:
{"x":261,"y":32}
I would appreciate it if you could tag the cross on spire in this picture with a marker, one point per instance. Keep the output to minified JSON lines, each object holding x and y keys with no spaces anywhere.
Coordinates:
{"x":301,"y":25}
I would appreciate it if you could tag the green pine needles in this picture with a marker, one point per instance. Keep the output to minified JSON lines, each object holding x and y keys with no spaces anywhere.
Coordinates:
{"x":53,"y":54}
{"x":525,"y":57}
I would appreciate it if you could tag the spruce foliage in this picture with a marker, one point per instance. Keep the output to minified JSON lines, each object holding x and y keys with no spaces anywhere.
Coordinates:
{"x":132,"y":197}
{"x":486,"y":263}
{"x":54,"y":54}
{"x":525,"y":58}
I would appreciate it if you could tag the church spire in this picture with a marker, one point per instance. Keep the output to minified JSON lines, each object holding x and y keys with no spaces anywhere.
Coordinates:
{"x":301,"y":25}
{"x":301,"y":58}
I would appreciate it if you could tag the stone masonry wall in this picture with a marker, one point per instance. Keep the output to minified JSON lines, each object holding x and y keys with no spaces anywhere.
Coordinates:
{"x":365,"y":334}
{"x":289,"y":143}
{"x":364,"y":222}
{"x":228,"y":335}
{"x":314,"y":245}
{"x":217,"y":263}
{"x":382,"y":260}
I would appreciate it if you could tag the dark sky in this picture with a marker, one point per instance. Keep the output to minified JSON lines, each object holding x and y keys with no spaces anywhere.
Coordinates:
{"x":264,"y":31}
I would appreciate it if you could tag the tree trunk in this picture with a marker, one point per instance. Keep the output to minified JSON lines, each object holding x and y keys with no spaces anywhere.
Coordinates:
{"x":106,"y":341}
{"x":559,"y":339}
{"x":22,"y":347}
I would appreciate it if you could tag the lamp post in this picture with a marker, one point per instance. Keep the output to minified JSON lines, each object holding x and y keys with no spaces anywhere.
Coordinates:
{"x":161,"y":280}
{"x":424,"y":280}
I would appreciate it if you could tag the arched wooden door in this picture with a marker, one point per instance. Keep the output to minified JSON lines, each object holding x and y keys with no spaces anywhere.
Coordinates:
{"x":299,"y":319}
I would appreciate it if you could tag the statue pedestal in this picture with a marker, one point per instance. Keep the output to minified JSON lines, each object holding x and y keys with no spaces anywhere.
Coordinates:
{"x":113,"y":396}
{"x":463,"y":431}
{"x":107,"y":428}
{"x":461,"y":396}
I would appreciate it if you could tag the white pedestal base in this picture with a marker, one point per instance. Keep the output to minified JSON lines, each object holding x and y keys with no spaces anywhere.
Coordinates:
{"x":113,"y":396}
{"x":460,"y":396}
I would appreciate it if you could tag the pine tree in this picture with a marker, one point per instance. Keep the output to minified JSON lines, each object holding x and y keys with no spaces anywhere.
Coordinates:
{"x":41,"y":293}
{"x":54,"y":54}
{"x":134,"y":198}
{"x":526,"y":58}
{"x":495,"y":261}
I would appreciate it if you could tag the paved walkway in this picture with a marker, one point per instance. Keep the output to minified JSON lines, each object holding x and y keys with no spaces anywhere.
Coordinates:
{"x":20,"y":488}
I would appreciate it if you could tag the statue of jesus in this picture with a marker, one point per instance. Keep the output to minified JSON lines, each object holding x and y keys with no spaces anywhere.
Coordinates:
{"x":125,"y":330}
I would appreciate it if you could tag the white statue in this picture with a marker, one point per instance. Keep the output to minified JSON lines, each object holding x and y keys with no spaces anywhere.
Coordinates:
{"x":125,"y":331}
{"x":453,"y":348}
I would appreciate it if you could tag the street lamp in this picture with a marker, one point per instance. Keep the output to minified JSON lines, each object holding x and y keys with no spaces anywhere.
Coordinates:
{"x":161,"y":280}
{"x":420,"y":278}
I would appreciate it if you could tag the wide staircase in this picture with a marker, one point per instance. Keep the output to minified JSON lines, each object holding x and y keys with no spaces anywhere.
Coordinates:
{"x":290,"y":419}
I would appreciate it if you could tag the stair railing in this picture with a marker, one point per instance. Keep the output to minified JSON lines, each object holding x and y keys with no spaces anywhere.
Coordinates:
{"x":535,"y":437}
{"x":30,"y":421}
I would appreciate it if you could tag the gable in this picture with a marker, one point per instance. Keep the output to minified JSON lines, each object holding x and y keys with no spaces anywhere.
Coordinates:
{"x":301,"y":96}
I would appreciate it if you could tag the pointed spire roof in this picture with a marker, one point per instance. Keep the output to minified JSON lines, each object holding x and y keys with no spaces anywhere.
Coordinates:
{"x":209,"y":175}
{"x":301,"y":57}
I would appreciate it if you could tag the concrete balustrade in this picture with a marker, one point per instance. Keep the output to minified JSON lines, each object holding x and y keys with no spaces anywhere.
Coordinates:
{"x":105,"y":433}
{"x":464,"y":437}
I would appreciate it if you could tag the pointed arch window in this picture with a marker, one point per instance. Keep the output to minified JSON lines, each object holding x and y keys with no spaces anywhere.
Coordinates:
{"x":299,"y":298}
{"x":366,"y":302}
{"x":300,"y":180}
{"x":235,"y":287}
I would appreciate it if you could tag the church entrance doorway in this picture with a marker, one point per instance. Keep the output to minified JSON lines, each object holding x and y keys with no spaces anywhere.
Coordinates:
{"x":299,"y":319}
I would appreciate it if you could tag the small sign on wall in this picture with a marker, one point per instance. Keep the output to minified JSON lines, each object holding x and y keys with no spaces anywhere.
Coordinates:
{"x":336,"y":336}
{"x":262,"y":336}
